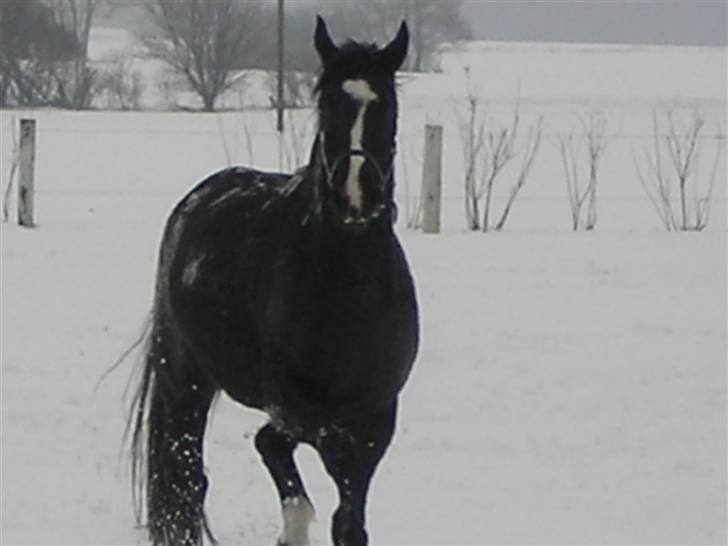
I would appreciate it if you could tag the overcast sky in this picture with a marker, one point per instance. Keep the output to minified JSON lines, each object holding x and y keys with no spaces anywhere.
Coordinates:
{"x":680,"y":22}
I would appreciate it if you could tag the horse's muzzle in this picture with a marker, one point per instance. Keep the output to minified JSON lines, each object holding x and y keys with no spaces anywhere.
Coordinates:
{"x":352,"y":217}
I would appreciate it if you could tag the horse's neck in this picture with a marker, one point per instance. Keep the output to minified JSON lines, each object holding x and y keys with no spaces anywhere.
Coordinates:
{"x":359,"y":257}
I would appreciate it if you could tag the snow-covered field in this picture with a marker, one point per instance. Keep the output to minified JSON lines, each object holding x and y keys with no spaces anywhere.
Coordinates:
{"x":571,"y":387}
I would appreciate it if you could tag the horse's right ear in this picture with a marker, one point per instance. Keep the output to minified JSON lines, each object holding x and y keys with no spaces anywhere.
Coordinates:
{"x":324,"y":44}
{"x":392,"y":56}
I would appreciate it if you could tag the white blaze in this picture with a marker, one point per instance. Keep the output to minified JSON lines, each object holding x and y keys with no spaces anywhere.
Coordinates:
{"x":362,"y":93}
{"x":297,"y":516}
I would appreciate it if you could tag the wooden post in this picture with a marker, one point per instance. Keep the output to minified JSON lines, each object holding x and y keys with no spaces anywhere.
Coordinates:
{"x":432,"y":179}
{"x":26,"y":173}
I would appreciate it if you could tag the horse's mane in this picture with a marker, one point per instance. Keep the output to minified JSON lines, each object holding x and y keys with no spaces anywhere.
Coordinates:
{"x":350,"y":59}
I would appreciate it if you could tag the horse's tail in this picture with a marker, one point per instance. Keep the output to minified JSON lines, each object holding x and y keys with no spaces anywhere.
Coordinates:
{"x":165,"y":431}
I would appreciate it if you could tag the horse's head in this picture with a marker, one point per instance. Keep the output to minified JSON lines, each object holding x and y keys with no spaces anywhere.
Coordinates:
{"x":357,"y":107}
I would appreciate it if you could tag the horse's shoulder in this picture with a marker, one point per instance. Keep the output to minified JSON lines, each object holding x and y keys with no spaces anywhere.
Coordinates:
{"x":230,"y":200}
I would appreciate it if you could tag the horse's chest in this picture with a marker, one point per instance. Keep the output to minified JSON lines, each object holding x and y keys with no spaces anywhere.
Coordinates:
{"x":350,"y":331}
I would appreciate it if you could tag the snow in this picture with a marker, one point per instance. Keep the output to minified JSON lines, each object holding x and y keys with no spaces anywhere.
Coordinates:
{"x":593,"y":70}
{"x":570,"y":389}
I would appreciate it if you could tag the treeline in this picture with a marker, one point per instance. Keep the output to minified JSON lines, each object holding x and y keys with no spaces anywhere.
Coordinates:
{"x":44,"y":43}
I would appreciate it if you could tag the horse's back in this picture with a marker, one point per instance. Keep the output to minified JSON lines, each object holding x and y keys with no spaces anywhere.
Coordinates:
{"x":233,"y":186}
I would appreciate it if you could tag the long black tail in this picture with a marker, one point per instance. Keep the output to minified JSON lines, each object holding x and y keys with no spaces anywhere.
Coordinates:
{"x":165,"y":429}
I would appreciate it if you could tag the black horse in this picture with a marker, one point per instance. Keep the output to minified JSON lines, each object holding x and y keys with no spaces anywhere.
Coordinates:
{"x":292,"y":294}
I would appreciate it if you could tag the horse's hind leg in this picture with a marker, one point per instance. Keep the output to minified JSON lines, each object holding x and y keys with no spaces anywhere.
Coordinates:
{"x":276,"y":449}
{"x":178,"y":400}
{"x":351,"y":453}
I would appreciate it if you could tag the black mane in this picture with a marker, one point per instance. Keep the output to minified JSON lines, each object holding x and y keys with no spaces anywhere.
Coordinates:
{"x":353,"y":59}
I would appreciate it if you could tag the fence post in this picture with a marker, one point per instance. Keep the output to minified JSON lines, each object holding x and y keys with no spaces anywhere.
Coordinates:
{"x":432,"y":179}
{"x":26,"y":173}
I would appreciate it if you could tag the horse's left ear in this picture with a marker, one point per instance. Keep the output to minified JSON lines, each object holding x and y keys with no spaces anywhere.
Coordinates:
{"x":392,"y":56}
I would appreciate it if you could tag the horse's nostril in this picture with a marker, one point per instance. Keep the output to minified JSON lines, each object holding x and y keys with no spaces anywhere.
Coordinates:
{"x":355,"y":220}
{"x":378,"y":210}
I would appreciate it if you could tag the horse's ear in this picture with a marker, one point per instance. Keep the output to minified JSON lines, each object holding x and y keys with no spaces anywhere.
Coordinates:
{"x":324,"y":44}
{"x":392,"y":56}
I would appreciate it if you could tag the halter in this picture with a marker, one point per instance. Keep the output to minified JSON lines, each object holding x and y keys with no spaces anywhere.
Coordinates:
{"x":330,"y":170}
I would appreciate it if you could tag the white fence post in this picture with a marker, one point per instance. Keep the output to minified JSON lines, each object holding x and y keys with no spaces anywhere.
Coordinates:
{"x":26,"y":173}
{"x":432,"y":179}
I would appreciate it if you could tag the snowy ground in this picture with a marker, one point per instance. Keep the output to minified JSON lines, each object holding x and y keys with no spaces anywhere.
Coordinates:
{"x":571,"y":388}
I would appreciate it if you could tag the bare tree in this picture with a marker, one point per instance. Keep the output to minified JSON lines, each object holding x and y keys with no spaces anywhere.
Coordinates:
{"x":202,"y":41}
{"x":673,"y":165}
{"x":431,"y":23}
{"x":118,"y":84}
{"x":75,"y":80}
{"x":298,"y":89}
{"x":593,"y":136}
{"x":77,"y":16}
{"x":43,"y":53}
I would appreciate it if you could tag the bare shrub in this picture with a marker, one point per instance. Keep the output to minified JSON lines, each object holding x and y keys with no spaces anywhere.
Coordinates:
{"x":472,"y":134}
{"x":294,"y":146}
{"x":13,"y":170}
{"x":582,"y":190}
{"x":413,"y":213}
{"x":118,"y":86}
{"x":669,"y":173}
{"x":487,"y":150}
{"x":528,"y":155}
{"x":297,"y":89}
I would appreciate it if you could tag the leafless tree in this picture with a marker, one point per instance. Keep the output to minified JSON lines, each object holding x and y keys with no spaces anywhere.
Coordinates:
{"x":44,"y":53}
{"x":118,"y":84}
{"x":431,"y":23}
{"x":673,"y":164}
{"x":77,"y":16}
{"x":75,"y":80}
{"x":594,"y":137}
{"x":298,"y":89}
{"x":202,"y":41}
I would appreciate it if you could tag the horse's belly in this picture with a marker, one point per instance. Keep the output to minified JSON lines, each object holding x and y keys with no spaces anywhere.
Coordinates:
{"x":353,"y":364}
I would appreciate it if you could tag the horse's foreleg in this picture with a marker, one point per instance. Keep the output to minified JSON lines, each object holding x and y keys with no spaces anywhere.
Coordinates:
{"x":350,"y":454}
{"x":276,"y":449}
